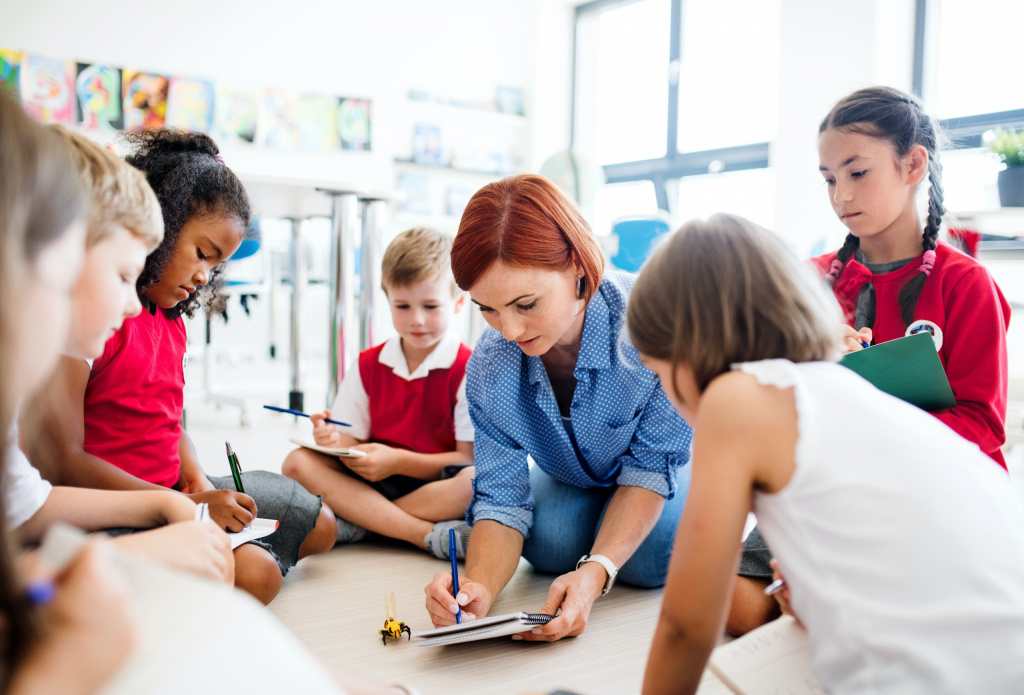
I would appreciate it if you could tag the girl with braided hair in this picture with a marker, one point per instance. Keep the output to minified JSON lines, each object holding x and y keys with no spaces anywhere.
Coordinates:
{"x":893,"y":278}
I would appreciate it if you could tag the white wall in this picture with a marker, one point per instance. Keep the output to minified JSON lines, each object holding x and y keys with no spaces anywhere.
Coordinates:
{"x":828,"y":49}
{"x":378,"y":49}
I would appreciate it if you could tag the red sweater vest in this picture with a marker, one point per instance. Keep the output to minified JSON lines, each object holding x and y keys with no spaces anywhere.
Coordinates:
{"x":135,"y":397}
{"x":961,"y":303}
{"x":417,"y":415}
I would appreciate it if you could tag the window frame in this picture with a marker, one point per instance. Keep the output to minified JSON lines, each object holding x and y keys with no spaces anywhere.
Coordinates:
{"x":964,"y":132}
{"x":674,"y":164}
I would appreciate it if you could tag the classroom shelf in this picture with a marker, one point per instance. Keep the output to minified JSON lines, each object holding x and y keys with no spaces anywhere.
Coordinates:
{"x":455,"y":170}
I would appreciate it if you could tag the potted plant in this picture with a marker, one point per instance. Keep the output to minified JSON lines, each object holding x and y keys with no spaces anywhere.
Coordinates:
{"x":1009,"y":147}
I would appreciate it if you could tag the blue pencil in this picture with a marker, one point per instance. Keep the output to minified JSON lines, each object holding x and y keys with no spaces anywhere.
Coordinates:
{"x":302,"y":414}
{"x":455,"y":575}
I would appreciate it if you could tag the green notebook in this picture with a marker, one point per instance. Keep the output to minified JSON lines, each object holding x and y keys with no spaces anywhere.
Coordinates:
{"x":908,"y":368}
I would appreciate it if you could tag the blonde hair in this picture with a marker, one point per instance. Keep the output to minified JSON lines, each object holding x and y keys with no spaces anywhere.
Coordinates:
{"x":725,"y":290}
{"x":118,"y":192}
{"x":417,"y":255}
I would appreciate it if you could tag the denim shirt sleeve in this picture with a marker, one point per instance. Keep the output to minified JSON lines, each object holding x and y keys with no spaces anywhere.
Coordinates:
{"x":660,"y":446}
{"x":501,"y":487}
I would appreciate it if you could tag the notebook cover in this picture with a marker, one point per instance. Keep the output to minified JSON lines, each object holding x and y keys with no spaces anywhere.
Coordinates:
{"x":908,"y":368}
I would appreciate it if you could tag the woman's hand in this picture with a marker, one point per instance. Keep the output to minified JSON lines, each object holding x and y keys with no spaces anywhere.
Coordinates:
{"x":324,"y":433}
{"x":381,"y":461}
{"x":854,"y":340}
{"x":231,"y":511}
{"x":783,"y":596}
{"x":474,"y":599}
{"x":573,"y":594}
{"x":195,"y":547}
{"x":88,"y":630}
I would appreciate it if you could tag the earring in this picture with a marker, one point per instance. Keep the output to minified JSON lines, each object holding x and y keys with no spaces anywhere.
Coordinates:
{"x":579,"y":285}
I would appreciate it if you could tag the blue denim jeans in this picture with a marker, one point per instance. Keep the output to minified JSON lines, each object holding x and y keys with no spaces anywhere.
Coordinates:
{"x":566,"y":520}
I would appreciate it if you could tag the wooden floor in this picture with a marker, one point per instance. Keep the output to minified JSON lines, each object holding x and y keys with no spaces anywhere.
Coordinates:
{"x":334,"y":603}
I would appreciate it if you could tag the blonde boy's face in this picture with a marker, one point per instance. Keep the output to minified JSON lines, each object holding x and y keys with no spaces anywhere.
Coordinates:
{"x":421,"y":312}
{"x":104,"y":295}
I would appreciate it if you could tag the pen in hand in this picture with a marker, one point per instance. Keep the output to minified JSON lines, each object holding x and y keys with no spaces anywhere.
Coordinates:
{"x":236,"y":470}
{"x":775,"y":587}
{"x":302,"y":414}
{"x":455,"y":575}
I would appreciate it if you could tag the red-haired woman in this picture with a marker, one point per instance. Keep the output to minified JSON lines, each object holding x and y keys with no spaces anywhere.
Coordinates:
{"x":550,"y":380}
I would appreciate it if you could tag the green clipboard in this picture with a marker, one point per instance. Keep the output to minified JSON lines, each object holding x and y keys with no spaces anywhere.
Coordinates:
{"x":908,"y":368}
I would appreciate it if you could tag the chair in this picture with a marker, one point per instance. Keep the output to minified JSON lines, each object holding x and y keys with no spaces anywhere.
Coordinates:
{"x":636,"y":237}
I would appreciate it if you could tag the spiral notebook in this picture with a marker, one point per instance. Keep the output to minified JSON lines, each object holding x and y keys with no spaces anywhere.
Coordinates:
{"x":484,"y":628}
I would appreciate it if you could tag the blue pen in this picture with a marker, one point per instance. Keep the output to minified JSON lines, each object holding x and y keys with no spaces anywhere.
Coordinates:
{"x":863,"y":344}
{"x":302,"y":414}
{"x":455,"y":575}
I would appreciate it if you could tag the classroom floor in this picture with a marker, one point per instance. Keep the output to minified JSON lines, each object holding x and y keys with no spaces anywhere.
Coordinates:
{"x":334,"y":603}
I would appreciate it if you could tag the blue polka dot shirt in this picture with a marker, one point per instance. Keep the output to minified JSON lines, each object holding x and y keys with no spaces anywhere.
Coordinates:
{"x":626,"y":429}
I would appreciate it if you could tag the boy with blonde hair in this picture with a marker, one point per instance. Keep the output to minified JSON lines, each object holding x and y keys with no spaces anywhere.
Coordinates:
{"x":123,"y":225}
{"x":406,"y":404}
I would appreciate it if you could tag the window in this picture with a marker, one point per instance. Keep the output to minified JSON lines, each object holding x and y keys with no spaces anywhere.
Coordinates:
{"x":728,"y":73}
{"x":966,"y":70}
{"x":977,"y":57}
{"x":629,"y":54}
{"x":669,"y":89}
{"x":750,"y":194}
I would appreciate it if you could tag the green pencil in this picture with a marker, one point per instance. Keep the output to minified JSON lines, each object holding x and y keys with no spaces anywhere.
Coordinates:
{"x":236,"y":470}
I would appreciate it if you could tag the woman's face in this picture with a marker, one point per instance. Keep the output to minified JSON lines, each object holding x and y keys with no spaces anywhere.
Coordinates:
{"x":536,"y":307}
{"x":42,"y":310}
{"x":203,"y":243}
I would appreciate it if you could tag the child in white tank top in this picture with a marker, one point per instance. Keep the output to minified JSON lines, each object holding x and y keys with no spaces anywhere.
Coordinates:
{"x":902,"y":545}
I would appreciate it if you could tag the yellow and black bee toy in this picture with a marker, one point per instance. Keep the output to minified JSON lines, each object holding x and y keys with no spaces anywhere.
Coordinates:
{"x":392,"y":626}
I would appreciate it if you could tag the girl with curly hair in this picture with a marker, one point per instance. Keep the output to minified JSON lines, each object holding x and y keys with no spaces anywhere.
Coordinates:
{"x":116,"y":424}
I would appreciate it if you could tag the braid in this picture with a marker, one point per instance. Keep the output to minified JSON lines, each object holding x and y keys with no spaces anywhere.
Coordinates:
{"x":850,"y":244}
{"x":936,"y":209}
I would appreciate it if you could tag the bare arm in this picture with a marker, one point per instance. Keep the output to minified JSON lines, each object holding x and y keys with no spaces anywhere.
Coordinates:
{"x":745,"y":436}
{"x":53,"y":423}
{"x":94,"y":510}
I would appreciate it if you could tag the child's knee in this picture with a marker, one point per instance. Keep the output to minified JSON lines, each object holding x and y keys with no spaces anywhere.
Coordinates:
{"x":297,"y":464}
{"x":257,"y":572}
{"x":749,"y":607}
{"x":324,"y":533}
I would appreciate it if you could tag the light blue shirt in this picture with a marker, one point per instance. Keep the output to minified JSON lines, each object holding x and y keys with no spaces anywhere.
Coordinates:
{"x":626,"y":429}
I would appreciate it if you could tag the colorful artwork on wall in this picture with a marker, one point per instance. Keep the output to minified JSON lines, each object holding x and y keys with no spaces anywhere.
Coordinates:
{"x":47,"y":88}
{"x":190,"y":104}
{"x":317,"y":116}
{"x":236,"y":113}
{"x":10,"y":70}
{"x":98,"y":88}
{"x":354,"y":124}
{"x":279,"y":120}
{"x":145,"y":100}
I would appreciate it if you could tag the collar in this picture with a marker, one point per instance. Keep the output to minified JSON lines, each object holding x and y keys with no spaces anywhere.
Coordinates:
{"x":596,"y":342}
{"x":441,"y":357}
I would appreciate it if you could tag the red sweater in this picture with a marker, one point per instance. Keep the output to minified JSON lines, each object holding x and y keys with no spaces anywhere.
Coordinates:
{"x":966,"y":312}
{"x":418,"y":414}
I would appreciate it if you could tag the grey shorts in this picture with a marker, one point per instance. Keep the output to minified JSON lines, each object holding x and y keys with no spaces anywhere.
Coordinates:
{"x":756,"y":557}
{"x":281,"y":498}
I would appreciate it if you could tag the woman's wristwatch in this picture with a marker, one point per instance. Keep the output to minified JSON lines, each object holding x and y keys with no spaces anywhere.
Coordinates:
{"x":608,"y":565}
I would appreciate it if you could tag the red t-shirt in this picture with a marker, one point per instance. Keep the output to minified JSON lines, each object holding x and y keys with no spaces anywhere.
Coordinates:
{"x":417,"y":414}
{"x":963,"y":308}
{"x":135,"y":398}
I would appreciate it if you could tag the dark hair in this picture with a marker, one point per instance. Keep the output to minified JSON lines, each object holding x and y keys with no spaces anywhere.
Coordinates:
{"x":189,"y":182}
{"x":884,"y":112}
{"x":40,"y":197}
